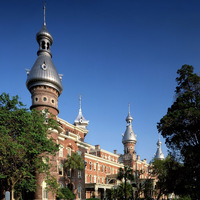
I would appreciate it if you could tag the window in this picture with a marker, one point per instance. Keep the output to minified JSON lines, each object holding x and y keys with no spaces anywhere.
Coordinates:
{"x":106,"y":169}
{"x":98,"y":167}
{"x":98,"y":179}
{"x":60,"y":169}
{"x":90,"y":165}
{"x":60,"y":151}
{"x":102,"y":180}
{"x":79,"y":173}
{"x":43,"y":44}
{"x":90,"y":178}
{"x":79,"y":191}
{"x":102,"y":169}
{"x":44,"y":191}
{"x":69,"y":151}
{"x":94,"y":167}
{"x":109,"y":170}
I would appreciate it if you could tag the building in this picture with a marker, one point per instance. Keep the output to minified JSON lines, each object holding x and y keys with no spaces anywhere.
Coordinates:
{"x":101,"y":166}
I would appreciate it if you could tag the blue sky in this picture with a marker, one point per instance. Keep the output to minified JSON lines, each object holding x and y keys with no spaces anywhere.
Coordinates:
{"x":112,"y":52}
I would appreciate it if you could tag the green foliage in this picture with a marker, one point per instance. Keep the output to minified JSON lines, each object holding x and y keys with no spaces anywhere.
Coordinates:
{"x":118,"y":192}
{"x":180,"y":127}
{"x":74,"y":161}
{"x":65,"y":194}
{"x":125,"y":174}
{"x":93,"y":199}
{"x":24,"y":141}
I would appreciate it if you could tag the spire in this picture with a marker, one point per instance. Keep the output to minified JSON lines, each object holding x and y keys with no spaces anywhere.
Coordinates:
{"x":80,"y":120}
{"x":129,"y":119}
{"x":44,"y":8}
{"x":79,"y":103}
{"x":129,"y":135}
{"x":159,"y":154}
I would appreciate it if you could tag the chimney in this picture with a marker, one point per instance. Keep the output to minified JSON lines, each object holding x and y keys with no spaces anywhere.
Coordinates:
{"x":97,"y":146}
{"x":115,"y":151}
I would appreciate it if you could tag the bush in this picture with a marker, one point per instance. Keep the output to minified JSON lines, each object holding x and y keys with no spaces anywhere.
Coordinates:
{"x":65,"y":193}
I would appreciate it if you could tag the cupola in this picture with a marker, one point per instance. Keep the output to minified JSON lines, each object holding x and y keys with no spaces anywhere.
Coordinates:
{"x":159,"y":154}
{"x":129,"y":135}
{"x":80,"y":121}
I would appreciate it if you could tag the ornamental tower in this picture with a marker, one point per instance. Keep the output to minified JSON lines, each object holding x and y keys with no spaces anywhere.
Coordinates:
{"x":129,"y":140}
{"x":80,"y":121}
{"x":159,"y":154}
{"x":43,"y":80}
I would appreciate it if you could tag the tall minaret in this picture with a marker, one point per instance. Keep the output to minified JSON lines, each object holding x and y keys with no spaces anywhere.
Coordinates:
{"x":159,"y":154}
{"x":129,"y":139}
{"x":43,"y":80}
{"x":80,"y":121}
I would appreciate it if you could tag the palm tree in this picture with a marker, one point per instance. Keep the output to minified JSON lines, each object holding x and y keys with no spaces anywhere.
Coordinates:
{"x":127,"y":175}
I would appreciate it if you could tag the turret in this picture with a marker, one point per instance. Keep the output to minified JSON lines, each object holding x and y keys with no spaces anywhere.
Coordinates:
{"x":159,"y":154}
{"x":80,"y":121}
{"x":129,"y":138}
{"x":43,"y":80}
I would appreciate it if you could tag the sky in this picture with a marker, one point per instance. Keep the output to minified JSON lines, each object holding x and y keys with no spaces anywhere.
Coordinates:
{"x":112,"y":52}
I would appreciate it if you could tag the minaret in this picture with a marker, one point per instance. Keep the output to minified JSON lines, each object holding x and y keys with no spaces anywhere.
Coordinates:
{"x":159,"y":154}
{"x":80,"y":121}
{"x":43,"y":80}
{"x":129,"y":139}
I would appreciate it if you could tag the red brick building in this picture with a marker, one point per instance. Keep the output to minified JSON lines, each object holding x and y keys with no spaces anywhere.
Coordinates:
{"x":101,"y":166}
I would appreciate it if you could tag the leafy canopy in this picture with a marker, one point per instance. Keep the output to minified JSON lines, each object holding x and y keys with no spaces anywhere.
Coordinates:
{"x":181,"y":127}
{"x":24,"y":142}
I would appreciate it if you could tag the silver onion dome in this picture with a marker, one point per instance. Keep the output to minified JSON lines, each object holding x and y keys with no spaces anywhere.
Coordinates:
{"x":159,"y":154}
{"x":43,"y":71}
{"x":129,"y":135}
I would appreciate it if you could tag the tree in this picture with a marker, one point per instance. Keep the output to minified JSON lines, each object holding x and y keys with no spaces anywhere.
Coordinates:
{"x":127,"y":175}
{"x":24,"y":142}
{"x":65,"y":194}
{"x":75,"y":161}
{"x":181,"y":127}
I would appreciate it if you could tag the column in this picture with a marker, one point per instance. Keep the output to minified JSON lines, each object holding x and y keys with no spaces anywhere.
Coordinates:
{"x":104,"y":193}
{"x":96,"y":191}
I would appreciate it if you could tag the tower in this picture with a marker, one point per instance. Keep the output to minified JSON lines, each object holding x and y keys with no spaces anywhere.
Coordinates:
{"x":80,"y":121}
{"x":129,"y":140}
{"x":43,"y":80}
{"x":159,"y":154}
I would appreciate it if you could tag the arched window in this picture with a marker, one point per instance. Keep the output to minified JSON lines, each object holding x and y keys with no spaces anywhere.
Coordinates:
{"x":44,"y":191}
{"x":60,"y":169}
{"x":69,"y":151}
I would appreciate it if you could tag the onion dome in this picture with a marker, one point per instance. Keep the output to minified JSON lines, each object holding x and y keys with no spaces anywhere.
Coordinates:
{"x":80,"y":120}
{"x":43,"y":72}
{"x":159,"y":154}
{"x":129,"y":135}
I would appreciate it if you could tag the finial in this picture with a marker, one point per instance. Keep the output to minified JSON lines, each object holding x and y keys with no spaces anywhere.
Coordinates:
{"x":44,"y":8}
{"x":129,"y":108}
{"x":80,"y":101}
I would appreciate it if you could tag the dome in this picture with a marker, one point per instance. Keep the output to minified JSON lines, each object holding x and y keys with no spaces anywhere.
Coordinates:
{"x":44,"y":73}
{"x":44,"y":33}
{"x":129,"y":135}
{"x":129,"y":118}
{"x":159,"y":154}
